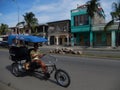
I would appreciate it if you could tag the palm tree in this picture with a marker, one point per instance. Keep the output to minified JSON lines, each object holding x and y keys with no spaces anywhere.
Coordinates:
{"x":115,"y":14}
{"x":92,"y":8}
{"x":31,"y":21}
{"x":3,"y":29}
{"x":21,"y":24}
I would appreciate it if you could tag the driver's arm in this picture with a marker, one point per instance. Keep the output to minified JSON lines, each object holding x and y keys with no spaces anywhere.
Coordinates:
{"x":38,"y":54}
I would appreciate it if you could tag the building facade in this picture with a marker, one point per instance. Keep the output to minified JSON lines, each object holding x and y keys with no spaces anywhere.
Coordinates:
{"x":59,"y":32}
{"x":42,"y":30}
{"x":85,"y":35}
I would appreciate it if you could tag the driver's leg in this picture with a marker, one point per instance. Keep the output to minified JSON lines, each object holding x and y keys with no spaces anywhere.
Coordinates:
{"x":26,"y":65}
{"x":44,"y":69}
{"x":42,"y":64}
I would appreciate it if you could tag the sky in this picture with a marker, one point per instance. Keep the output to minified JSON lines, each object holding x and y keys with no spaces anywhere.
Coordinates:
{"x":44,"y":10}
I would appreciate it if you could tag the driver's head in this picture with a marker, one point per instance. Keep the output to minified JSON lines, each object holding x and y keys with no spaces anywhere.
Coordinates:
{"x":36,"y":45}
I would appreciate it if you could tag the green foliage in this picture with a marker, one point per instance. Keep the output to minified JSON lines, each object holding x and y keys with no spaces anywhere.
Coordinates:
{"x":21,"y":23}
{"x":92,"y":7}
{"x":108,"y":25}
{"x":3,"y":29}
{"x":115,"y":14}
{"x":31,"y":21}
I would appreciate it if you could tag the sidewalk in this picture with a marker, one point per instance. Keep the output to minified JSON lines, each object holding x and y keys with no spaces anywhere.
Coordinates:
{"x":100,"y":52}
{"x":83,"y":48}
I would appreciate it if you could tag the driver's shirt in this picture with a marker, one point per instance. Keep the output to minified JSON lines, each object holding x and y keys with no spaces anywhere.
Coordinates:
{"x":33,"y":52}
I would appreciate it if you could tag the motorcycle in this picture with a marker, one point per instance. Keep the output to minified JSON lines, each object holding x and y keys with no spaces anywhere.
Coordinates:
{"x":19,"y":56}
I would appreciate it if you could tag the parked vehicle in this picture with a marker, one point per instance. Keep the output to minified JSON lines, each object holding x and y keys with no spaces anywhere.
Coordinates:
{"x":4,"y":44}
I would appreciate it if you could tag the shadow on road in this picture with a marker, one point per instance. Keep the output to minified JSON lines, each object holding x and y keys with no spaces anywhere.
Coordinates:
{"x":33,"y":74}
{"x":9,"y":68}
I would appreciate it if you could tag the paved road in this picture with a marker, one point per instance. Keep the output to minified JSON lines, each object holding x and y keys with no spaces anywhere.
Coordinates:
{"x":86,"y":74}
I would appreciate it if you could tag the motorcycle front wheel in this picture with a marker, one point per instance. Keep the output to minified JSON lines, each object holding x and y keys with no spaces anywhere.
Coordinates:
{"x":62,"y":78}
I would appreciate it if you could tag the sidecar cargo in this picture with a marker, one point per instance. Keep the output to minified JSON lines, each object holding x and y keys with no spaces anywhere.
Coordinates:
{"x":18,"y":53}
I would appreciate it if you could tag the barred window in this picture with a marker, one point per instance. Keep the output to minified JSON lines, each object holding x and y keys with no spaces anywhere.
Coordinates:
{"x":81,"y":20}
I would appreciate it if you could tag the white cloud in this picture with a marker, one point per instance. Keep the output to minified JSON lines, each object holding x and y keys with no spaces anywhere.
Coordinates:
{"x":55,"y":11}
{"x":0,"y":14}
{"x":107,"y":9}
{"x":12,"y":18}
{"x":61,"y":9}
{"x":43,"y":19}
{"x":42,"y":8}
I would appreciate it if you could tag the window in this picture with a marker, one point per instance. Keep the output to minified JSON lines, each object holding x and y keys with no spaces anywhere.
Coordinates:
{"x":81,"y":20}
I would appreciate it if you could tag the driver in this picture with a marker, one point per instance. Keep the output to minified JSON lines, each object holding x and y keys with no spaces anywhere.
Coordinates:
{"x":35,"y":57}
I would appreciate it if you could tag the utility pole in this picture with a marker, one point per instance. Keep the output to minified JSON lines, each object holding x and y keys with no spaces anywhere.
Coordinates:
{"x":17,"y":8}
{"x":17,"y":11}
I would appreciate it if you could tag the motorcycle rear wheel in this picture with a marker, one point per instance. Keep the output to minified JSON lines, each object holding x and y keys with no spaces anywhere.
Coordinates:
{"x":15,"y":70}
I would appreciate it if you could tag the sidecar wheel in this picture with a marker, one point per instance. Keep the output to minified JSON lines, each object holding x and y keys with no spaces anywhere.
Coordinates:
{"x":62,"y":78}
{"x":15,"y":70}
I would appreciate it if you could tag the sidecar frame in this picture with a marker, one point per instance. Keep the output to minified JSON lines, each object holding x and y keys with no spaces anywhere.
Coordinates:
{"x":22,"y":52}
{"x":19,"y":53}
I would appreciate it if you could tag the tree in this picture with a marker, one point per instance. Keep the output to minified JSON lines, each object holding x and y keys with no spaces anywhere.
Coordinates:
{"x":21,"y":24}
{"x":3,"y":29}
{"x":92,"y":8}
{"x":31,"y":21}
{"x":115,"y":14}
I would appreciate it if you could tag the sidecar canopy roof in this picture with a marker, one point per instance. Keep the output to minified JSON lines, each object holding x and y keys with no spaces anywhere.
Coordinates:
{"x":27,"y":38}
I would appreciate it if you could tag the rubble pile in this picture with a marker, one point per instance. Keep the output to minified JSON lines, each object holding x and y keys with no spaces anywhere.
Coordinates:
{"x":66,"y":51}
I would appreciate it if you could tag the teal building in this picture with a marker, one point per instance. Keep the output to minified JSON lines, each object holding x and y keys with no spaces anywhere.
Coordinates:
{"x":94,"y":36}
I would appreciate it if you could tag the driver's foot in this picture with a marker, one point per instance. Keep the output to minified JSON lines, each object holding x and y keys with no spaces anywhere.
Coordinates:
{"x":26,"y":66}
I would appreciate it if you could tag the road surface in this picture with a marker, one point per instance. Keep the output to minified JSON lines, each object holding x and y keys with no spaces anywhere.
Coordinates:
{"x":86,"y":74}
